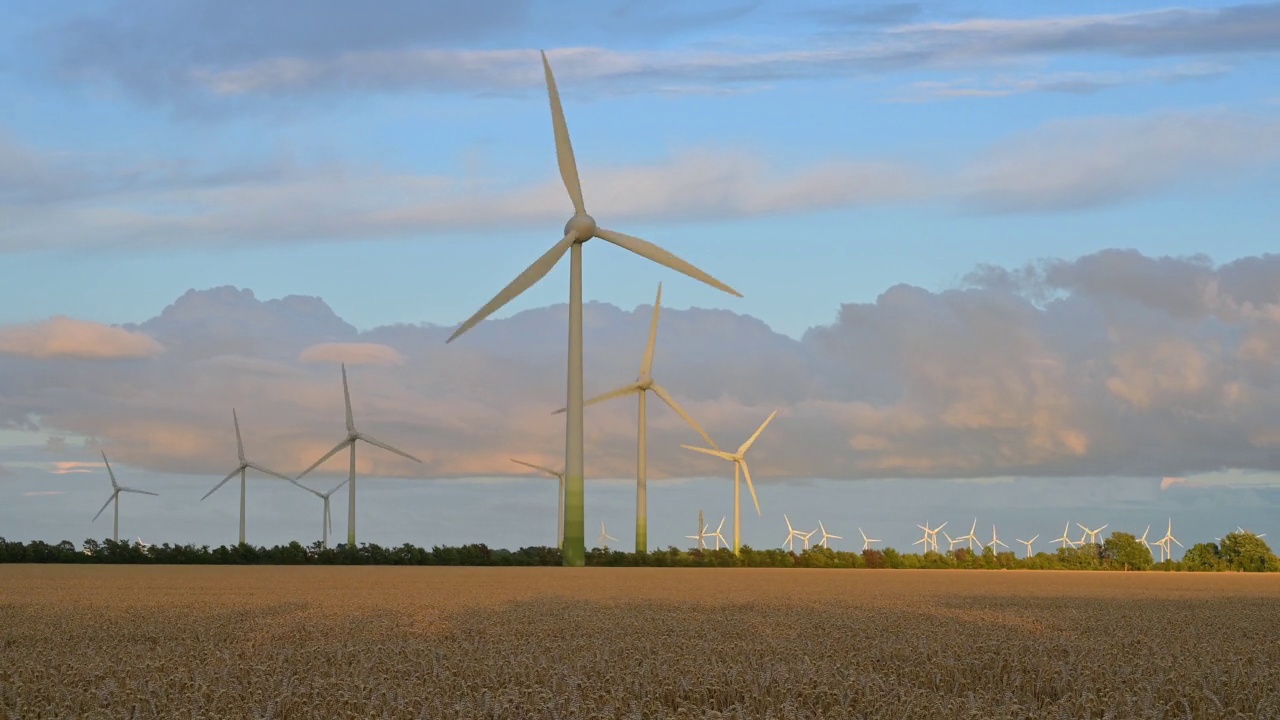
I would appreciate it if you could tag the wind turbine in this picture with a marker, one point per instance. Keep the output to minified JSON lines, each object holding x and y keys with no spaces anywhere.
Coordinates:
{"x":930,"y":539}
{"x":559,"y":494}
{"x":353,"y":435}
{"x":792,"y":534}
{"x":1066,"y":541}
{"x":1164,"y":541}
{"x":719,"y":538}
{"x":995,"y":543}
{"x":739,"y":468}
{"x":605,"y":537}
{"x":1143,"y":539}
{"x":116,"y":489}
{"x":327,"y":520}
{"x":580,"y":228}
{"x":700,"y":538}
{"x":972,"y":536}
{"x":1091,"y":534}
{"x":242,"y":470}
{"x":866,"y":541}
{"x":951,"y":542}
{"x":1028,"y":543}
{"x":925,"y":539}
{"x":826,"y":536}
{"x":643,"y":384}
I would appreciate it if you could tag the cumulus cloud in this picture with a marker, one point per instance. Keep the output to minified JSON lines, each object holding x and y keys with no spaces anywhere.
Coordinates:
{"x":64,"y":337}
{"x":352,"y":354}
{"x":1113,"y":364}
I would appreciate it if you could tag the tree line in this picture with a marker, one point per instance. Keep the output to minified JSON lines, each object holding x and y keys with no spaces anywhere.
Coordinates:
{"x":1235,"y":552}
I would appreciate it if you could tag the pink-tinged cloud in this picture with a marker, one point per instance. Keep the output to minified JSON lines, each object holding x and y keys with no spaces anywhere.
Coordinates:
{"x":352,"y":354}
{"x":1168,"y":482}
{"x":42,"y":493}
{"x":69,"y":338}
{"x":67,"y":467}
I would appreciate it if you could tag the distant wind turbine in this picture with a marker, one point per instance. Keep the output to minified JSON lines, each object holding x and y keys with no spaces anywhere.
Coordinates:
{"x":826,"y":536}
{"x":559,"y":495}
{"x":1028,"y":543}
{"x":866,"y":541}
{"x":739,"y":467}
{"x":719,"y":538}
{"x":327,"y":520}
{"x":580,"y":228}
{"x":972,"y":537}
{"x":242,"y":470}
{"x":1065,"y":540}
{"x":350,"y":440}
{"x":116,"y":489}
{"x":701,"y":537}
{"x":995,"y":543}
{"x":1165,"y":543}
{"x":1092,"y":535}
{"x":605,"y":537}
{"x":792,"y":534}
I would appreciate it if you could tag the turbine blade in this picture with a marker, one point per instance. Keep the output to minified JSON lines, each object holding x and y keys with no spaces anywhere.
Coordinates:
{"x":337,"y":487}
{"x":671,"y":403}
{"x":239,"y":442}
{"x":230,"y":475}
{"x":140,"y":492}
{"x":104,"y":506}
{"x":751,"y":440}
{"x":564,"y":150}
{"x":646,"y":249}
{"x":523,"y":281}
{"x":624,"y":390}
{"x":267,"y":471}
{"x":317,"y":493}
{"x":747,"y":474}
{"x":324,"y":457}
{"x":346,"y":397}
{"x":647,"y":363}
{"x":540,"y":468}
{"x":388,"y":448}
{"x":110,"y":474}
{"x":706,"y":451}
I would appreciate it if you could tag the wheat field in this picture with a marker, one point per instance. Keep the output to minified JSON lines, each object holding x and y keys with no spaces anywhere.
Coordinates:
{"x":380,"y":642}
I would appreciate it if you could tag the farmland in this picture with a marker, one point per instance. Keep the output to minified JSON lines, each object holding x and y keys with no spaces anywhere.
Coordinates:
{"x":372,"y":642}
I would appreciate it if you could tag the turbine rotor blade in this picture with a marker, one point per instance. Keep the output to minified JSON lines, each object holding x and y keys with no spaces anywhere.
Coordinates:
{"x":373,"y":441}
{"x":647,"y":363}
{"x":523,"y":281}
{"x":230,"y":475}
{"x":671,"y":403}
{"x":705,"y":451}
{"x":648,"y":250}
{"x":346,"y":396}
{"x":564,"y":150}
{"x":747,"y":474}
{"x":624,"y":390}
{"x":337,"y":487}
{"x":267,"y":471}
{"x":239,"y":442}
{"x":324,"y":457}
{"x":140,"y":492}
{"x":110,"y":474}
{"x":104,"y":506}
{"x":751,"y":440}
{"x":317,"y":493}
{"x":540,"y":468}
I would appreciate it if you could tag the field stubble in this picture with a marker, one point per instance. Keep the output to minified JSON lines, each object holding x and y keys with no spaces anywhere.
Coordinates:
{"x":363,"y":642}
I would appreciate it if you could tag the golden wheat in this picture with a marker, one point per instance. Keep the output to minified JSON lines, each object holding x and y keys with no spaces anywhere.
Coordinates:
{"x":286,"y":642}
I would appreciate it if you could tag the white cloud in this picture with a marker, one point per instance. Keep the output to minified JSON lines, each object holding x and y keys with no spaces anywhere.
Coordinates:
{"x":352,"y":354}
{"x":68,"y":338}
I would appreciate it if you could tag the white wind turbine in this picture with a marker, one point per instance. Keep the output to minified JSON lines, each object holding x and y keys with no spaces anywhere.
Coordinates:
{"x":643,"y":384}
{"x":995,"y":543}
{"x":605,"y":537}
{"x":925,"y":539}
{"x":1028,"y":543}
{"x":353,"y":435}
{"x":866,"y":541}
{"x":739,"y":468}
{"x":580,"y":228}
{"x":1092,"y":535}
{"x":1165,"y":542}
{"x":327,"y":519}
{"x":952,"y":542}
{"x":242,"y":471}
{"x":972,"y":537}
{"x":792,"y":534}
{"x":826,"y":536}
{"x":116,"y":489}
{"x":1143,"y":540}
{"x":930,"y":539}
{"x":1065,"y":540}
{"x":559,"y":495}
{"x":719,"y":538}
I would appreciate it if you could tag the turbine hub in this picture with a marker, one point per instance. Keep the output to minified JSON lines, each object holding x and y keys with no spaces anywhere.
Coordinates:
{"x":583,"y":226}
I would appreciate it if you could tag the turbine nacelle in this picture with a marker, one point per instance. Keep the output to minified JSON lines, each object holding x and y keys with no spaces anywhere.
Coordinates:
{"x":582,"y":227}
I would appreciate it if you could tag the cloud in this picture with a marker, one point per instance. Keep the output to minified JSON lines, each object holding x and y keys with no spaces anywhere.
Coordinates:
{"x":1112,"y":364}
{"x":1168,"y":482}
{"x":64,"y":337}
{"x":1077,"y":83}
{"x":67,"y":467}
{"x":352,"y":354}
{"x":43,"y":493}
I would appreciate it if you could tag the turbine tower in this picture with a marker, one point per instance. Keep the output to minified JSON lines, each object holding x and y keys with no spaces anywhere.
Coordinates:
{"x":739,"y":468}
{"x":866,"y":541}
{"x":640,"y":388}
{"x":1028,"y":543}
{"x":327,"y":520}
{"x":353,"y":435}
{"x":559,"y":494}
{"x":605,"y":537}
{"x":826,"y":536}
{"x":580,"y":228}
{"x":116,"y":489}
{"x":242,"y":470}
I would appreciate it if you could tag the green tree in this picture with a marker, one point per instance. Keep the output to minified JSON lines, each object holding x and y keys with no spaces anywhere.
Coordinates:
{"x":1247,"y":552}
{"x":1125,"y":552}
{"x":1202,"y":557}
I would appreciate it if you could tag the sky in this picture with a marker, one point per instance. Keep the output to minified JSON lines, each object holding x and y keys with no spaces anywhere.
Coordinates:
{"x":1003,"y":260}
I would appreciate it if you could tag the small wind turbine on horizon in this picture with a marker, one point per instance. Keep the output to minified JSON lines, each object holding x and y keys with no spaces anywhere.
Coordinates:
{"x":952,"y":542}
{"x":739,"y":468}
{"x":1092,"y":535}
{"x":930,"y":538}
{"x":580,"y":228}
{"x":792,"y":534}
{"x":644,"y":384}
{"x":701,"y":537}
{"x":242,"y":471}
{"x":719,"y":538}
{"x":1028,"y":543}
{"x":559,"y":495}
{"x":972,"y":537}
{"x":605,"y":537}
{"x":1065,"y":540}
{"x":116,"y":489}
{"x":327,"y":519}
{"x":826,"y":536}
{"x":995,"y":543}
{"x":1165,"y":543}
{"x":353,"y":435}
{"x":866,"y":541}
{"x":1143,"y":540}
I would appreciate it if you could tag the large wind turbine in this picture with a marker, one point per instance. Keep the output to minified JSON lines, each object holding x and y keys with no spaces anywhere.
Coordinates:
{"x":866,"y":541}
{"x":1028,"y":543}
{"x":642,"y":385}
{"x":116,"y":489}
{"x":242,"y":470}
{"x":739,"y":468}
{"x":826,"y":536}
{"x":1065,"y":540}
{"x":350,"y":441}
{"x":327,"y":522}
{"x":560,"y":494}
{"x":580,"y":228}
{"x":792,"y":534}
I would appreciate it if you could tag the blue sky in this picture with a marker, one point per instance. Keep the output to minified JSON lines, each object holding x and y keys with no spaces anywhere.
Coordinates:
{"x":398,"y":162}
